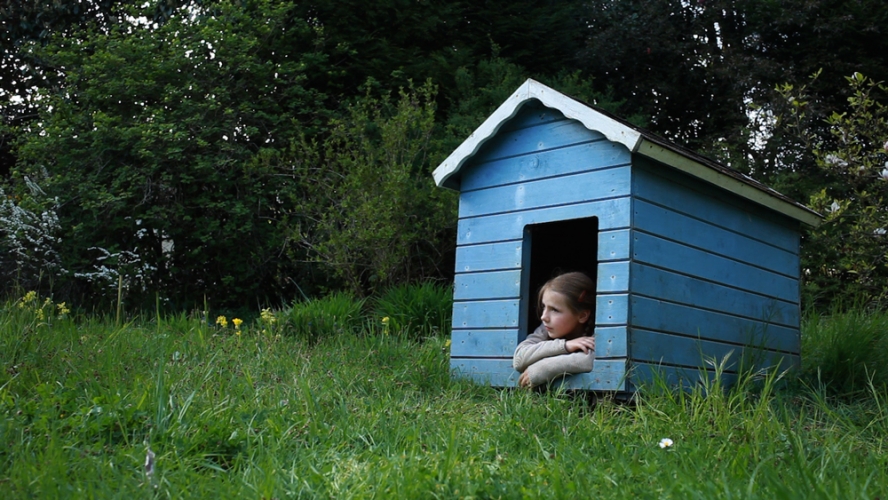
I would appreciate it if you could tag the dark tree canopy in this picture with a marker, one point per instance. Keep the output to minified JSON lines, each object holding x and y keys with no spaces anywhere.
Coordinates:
{"x":698,"y":68}
{"x":193,"y":131}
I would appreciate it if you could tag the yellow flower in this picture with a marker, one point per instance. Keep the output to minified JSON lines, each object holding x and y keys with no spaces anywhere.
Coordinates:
{"x":385,"y":321}
{"x":27,"y":299}
{"x":63,"y":308}
{"x":237,"y":322}
{"x":267,"y":317}
{"x":222,"y":321}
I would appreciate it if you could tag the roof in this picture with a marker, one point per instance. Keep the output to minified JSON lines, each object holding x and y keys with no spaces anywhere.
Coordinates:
{"x":635,"y":139}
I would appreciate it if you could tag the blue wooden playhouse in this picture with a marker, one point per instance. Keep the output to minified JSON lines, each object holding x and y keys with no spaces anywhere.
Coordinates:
{"x":693,"y":261}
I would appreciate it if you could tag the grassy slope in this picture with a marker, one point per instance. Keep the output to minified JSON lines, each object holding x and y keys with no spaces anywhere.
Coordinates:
{"x":377,"y":416}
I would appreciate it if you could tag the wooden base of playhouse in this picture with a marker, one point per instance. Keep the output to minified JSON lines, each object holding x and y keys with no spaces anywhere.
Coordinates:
{"x":608,"y":375}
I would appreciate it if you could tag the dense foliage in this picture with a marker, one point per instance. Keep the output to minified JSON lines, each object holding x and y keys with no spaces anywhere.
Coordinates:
{"x":845,"y":257}
{"x":246,"y":150}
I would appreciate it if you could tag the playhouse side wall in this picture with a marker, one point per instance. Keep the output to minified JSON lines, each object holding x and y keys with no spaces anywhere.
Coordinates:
{"x":713,"y":278}
{"x":539,"y":168}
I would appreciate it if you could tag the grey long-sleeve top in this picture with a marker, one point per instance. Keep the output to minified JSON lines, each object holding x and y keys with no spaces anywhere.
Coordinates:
{"x":546,"y":359}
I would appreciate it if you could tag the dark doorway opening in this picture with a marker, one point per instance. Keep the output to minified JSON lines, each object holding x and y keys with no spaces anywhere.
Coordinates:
{"x":551,"y":249}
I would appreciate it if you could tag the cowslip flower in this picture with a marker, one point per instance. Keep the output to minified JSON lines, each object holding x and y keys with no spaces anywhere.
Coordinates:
{"x":267,"y":317}
{"x":666,"y":443}
{"x":27,"y":299}
{"x":385,"y":325}
{"x":237,"y":323}
{"x":222,"y":321}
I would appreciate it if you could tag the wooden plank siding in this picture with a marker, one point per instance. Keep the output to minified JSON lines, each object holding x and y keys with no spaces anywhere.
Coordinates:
{"x":711,"y":275}
{"x":610,"y":342}
{"x":539,"y":168}
{"x":608,"y":374}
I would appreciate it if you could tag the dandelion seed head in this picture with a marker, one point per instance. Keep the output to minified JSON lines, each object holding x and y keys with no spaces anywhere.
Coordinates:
{"x":149,"y":463}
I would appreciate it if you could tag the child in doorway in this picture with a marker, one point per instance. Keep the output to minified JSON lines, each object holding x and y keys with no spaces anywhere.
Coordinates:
{"x":563,"y":343}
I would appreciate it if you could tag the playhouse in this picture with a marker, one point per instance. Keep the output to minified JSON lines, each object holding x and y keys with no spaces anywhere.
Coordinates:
{"x":694,"y":262}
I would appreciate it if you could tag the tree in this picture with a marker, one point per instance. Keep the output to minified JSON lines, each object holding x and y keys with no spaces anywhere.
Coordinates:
{"x":846,"y":258}
{"x":705,"y":71}
{"x":175,"y":162}
{"x":26,"y":23}
{"x":373,"y":214}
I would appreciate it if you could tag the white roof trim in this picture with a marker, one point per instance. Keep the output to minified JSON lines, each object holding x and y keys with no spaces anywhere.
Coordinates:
{"x":620,"y":133}
{"x":531,"y":89}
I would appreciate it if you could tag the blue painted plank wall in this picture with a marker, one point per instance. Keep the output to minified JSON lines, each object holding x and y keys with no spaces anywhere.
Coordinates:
{"x":711,"y":274}
{"x":538,"y":168}
{"x":607,"y":374}
{"x":610,"y":342}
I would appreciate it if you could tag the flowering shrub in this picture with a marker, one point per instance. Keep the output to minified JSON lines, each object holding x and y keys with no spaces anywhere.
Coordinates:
{"x":28,"y":238}
{"x":845,"y":257}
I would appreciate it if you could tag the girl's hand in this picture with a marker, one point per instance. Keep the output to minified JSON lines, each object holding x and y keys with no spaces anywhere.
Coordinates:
{"x":524,"y":380}
{"x":584,"y":344}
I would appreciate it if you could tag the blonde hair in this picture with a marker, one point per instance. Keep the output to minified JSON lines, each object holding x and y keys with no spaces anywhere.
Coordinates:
{"x":578,"y":289}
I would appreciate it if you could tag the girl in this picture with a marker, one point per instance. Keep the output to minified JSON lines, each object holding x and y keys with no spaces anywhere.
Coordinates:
{"x":563,"y":343}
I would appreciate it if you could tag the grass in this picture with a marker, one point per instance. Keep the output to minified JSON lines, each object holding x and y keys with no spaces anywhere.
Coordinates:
{"x":373,"y":415}
{"x":846,"y":350}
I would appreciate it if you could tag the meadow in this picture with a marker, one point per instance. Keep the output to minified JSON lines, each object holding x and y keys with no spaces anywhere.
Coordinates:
{"x":339,"y":398}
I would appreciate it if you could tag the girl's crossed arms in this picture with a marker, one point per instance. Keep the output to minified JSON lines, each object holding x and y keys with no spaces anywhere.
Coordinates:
{"x":562,"y":343}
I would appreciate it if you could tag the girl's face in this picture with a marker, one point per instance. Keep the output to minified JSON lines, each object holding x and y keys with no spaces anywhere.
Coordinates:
{"x":560,"y":321}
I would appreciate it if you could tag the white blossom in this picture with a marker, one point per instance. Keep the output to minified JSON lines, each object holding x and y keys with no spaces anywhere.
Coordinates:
{"x":835,"y":161}
{"x":835,"y":206}
{"x":666,"y":443}
{"x":28,"y":239}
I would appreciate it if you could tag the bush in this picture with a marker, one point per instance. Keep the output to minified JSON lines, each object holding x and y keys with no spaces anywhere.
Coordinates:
{"x":844,"y":351}
{"x":421,"y":310}
{"x":377,"y":218}
{"x":844,"y":258}
{"x":334,"y":314}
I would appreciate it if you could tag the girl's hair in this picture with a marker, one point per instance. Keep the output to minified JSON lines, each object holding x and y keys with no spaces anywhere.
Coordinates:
{"x":579,"y":290}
